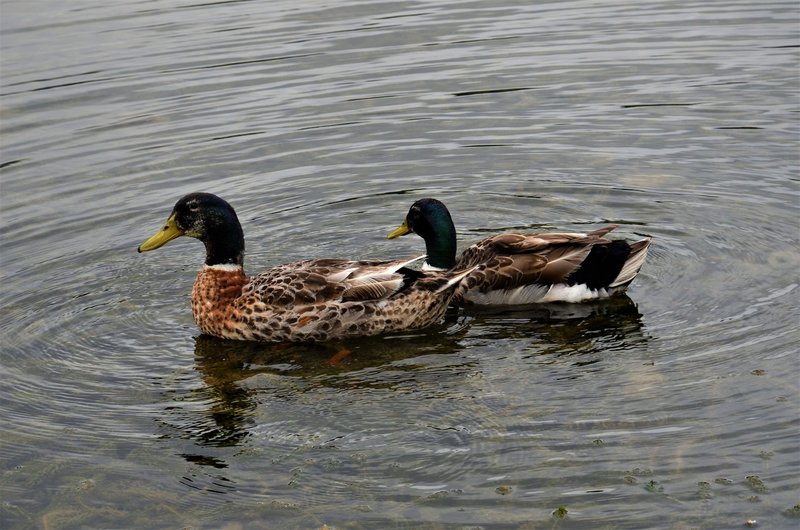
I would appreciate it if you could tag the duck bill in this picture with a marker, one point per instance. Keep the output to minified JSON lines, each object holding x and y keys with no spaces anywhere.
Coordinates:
{"x":169,"y":232}
{"x":399,"y":231}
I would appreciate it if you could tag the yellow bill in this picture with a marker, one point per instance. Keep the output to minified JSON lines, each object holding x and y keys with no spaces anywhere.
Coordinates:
{"x":169,"y":232}
{"x":399,"y":231}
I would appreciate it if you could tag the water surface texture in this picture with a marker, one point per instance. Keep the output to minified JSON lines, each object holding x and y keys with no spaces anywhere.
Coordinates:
{"x":321,"y":122}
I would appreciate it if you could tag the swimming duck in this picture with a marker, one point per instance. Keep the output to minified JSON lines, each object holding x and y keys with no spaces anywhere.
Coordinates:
{"x":311,"y":300}
{"x":515,"y":269}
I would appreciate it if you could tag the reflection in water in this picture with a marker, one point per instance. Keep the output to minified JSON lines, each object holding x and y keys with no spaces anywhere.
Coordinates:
{"x":568,"y":329}
{"x":238,"y":375}
{"x":600,"y":327}
{"x":228,"y":401}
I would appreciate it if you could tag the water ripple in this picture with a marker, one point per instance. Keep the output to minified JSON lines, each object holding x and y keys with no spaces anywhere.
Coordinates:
{"x":322,"y":123}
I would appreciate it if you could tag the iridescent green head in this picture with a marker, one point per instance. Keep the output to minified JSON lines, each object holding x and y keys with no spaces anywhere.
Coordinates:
{"x":430,"y":219}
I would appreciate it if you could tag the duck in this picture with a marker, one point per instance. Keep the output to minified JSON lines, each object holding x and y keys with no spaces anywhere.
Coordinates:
{"x":312,"y":300}
{"x":520,"y":268}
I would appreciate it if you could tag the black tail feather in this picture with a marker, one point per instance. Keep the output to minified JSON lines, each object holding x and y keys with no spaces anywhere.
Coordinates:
{"x":602,"y":266}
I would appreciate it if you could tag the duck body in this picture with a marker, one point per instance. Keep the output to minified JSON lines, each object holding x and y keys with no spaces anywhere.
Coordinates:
{"x":519,"y":269}
{"x":311,"y":300}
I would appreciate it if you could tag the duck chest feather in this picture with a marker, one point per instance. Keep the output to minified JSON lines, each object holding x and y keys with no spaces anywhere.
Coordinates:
{"x":215,"y":289}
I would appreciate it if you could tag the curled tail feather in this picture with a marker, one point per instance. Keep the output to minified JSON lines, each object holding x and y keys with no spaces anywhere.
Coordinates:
{"x":632,"y":265}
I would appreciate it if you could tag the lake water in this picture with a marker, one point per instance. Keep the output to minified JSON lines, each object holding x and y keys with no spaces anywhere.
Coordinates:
{"x":321,"y":122}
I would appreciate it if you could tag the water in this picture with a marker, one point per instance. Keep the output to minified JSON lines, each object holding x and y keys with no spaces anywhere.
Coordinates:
{"x":321,"y":122}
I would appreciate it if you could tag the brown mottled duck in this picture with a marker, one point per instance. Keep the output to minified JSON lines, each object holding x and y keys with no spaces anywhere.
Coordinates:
{"x":311,"y":300}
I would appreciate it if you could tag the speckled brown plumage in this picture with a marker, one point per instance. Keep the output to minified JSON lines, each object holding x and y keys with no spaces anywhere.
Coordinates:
{"x":312,"y":300}
{"x":317,"y":301}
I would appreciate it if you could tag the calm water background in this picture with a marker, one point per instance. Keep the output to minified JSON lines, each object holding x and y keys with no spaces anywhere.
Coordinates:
{"x":321,"y":122}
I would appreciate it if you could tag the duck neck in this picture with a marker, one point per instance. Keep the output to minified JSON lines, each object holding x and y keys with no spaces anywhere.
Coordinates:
{"x":440,"y":243}
{"x":225,"y":245}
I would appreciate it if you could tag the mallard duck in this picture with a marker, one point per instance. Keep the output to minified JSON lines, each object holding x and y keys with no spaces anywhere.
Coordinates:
{"x":311,"y":300}
{"x":516,"y":269}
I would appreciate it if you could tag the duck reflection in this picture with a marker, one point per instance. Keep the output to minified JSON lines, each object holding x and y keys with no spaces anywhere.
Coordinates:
{"x":601,"y":327}
{"x":238,"y":375}
{"x":222,"y":362}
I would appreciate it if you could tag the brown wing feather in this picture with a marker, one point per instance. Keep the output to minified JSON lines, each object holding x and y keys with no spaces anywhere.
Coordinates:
{"x":506,"y":261}
{"x":601,"y":232}
{"x":505,"y":272}
{"x":318,"y":281}
{"x":563,"y":260}
{"x":287,"y":286}
{"x":372,"y":288}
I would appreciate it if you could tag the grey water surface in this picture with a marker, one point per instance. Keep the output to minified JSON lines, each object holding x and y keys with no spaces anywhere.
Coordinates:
{"x":321,"y":121}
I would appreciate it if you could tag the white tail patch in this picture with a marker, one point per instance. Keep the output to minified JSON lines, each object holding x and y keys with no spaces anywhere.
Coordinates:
{"x":632,"y":266}
{"x":536,"y":294}
{"x":573,"y":293}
